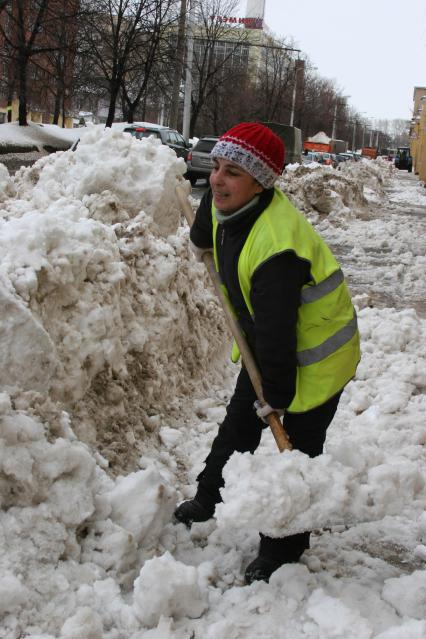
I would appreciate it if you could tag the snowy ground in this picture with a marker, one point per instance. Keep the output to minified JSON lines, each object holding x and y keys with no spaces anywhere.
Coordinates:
{"x":114,"y":375}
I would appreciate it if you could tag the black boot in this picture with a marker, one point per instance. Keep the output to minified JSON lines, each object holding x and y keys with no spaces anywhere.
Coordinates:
{"x":273,"y":553}
{"x":192,"y":510}
{"x":260,"y":569}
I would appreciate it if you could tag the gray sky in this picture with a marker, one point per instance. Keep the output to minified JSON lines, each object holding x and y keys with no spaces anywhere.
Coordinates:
{"x":374,"y":49}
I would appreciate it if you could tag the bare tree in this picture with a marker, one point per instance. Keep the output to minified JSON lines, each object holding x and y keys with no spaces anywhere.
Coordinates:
{"x":119,"y":36}
{"x":178,"y":67}
{"x":150,"y":53}
{"x":399,"y":130}
{"x":58,"y":63}
{"x":220,"y":52}
{"x":8,"y":79}
{"x":21,"y":32}
{"x":273,"y":89}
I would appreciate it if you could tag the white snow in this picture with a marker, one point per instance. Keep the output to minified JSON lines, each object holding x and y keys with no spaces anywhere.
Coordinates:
{"x":36,"y":135}
{"x":115,"y":373}
{"x":320,"y":138}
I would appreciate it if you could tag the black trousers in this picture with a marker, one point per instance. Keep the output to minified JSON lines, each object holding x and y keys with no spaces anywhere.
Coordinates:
{"x":241,"y":431}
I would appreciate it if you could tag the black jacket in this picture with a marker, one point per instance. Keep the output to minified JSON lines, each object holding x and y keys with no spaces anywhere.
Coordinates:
{"x":275,"y":297}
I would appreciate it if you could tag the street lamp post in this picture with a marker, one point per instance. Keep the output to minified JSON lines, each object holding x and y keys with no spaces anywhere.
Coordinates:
{"x":299,"y":65}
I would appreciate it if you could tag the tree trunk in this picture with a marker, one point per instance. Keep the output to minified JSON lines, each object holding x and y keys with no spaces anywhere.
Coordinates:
{"x":124,"y":108}
{"x":144,"y":106}
{"x":130,"y":113}
{"x":63,"y":109}
{"x":57,"y":107}
{"x":10,"y":92}
{"x":114,"y":89}
{"x":23,"y":91}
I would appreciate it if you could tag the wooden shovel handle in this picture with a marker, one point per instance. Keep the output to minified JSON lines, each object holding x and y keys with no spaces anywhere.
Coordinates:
{"x":274,"y":421}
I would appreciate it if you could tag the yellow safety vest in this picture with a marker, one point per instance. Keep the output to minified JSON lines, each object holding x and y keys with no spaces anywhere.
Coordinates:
{"x":328,"y":349}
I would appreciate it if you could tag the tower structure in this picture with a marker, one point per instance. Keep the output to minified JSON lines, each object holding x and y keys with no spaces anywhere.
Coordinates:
{"x":255,"y":9}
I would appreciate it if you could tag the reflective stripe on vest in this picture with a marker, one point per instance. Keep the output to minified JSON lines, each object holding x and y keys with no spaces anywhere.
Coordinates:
{"x":313,"y":293}
{"x":332,"y":344}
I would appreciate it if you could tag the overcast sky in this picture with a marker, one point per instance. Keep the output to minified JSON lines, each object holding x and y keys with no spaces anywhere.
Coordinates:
{"x":374,"y":49}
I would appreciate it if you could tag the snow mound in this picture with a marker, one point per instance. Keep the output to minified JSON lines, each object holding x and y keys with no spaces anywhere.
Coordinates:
{"x":288,"y":493}
{"x":106,"y":320}
{"x":97,"y":282}
{"x":320,"y":138}
{"x":325,"y":190}
{"x":373,"y":174}
{"x":35,"y":136}
{"x":168,"y":588}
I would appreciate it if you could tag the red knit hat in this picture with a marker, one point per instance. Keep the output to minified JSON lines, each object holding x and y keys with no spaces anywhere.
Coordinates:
{"x":255,"y":148}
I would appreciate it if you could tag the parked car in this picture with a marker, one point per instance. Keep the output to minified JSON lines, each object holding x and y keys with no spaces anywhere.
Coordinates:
{"x":168,"y":136}
{"x":310,"y":156}
{"x":198,"y":161}
{"x":344,"y":157}
{"x":327,"y":158}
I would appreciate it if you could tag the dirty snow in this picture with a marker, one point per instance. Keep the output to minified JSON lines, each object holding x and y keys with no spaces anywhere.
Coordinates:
{"x":114,"y":375}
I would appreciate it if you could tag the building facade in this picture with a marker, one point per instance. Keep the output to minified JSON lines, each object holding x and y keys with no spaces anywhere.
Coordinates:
{"x":418,"y":133}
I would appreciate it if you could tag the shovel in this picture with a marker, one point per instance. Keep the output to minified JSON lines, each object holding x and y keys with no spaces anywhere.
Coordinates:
{"x":274,"y":421}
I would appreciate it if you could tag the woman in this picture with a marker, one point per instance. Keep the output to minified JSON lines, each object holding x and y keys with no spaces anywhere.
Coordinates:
{"x":291,"y":301}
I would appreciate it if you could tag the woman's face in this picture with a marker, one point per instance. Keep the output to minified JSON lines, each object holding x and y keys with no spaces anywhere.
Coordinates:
{"x":232,"y":187}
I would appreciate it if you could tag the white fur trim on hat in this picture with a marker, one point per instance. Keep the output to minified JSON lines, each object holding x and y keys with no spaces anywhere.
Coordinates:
{"x":257,"y":168}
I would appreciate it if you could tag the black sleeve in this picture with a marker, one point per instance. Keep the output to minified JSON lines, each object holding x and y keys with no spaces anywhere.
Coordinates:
{"x":201,"y":233}
{"x":275,"y":296}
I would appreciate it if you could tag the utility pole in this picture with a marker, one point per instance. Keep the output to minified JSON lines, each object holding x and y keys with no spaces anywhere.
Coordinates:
{"x":333,"y":133}
{"x":299,"y":65}
{"x":180,"y":54}
{"x":342,"y":100}
{"x":353,"y":136}
{"x":188,"y":72}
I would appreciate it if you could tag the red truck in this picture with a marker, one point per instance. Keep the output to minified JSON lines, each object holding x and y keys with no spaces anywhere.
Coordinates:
{"x":369,"y":152}
{"x":316,"y":146}
{"x":332,"y":146}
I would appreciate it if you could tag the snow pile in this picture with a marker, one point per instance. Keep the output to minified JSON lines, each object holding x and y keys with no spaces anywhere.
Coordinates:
{"x":105,"y":320}
{"x":322,"y":189}
{"x":338,"y":193}
{"x":320,"y":138}
{"x":168,"y":588}
{"x":7,"y":188}
{"x":374,"y":175}
{"x":35,"y":137}
{"x":353,"y":482}
{"x":97,"y":278}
